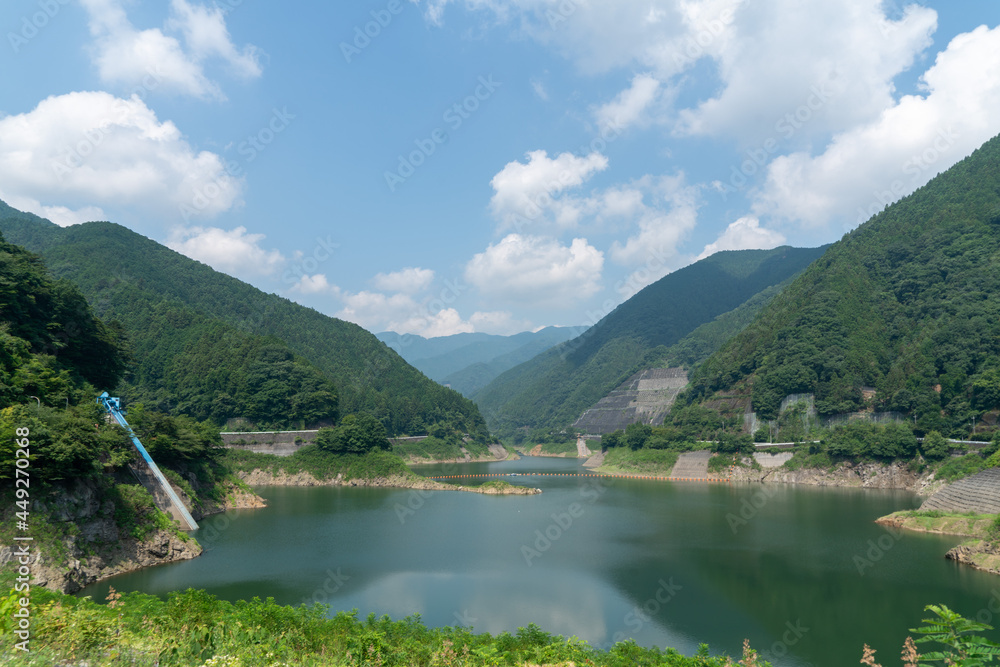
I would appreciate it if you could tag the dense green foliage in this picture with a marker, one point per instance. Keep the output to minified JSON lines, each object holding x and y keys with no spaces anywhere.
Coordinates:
{"x":864,"y":440}
{"x":555,"y":387}
{"x":908,"y":303}
{"x":50,"y":342}
{"x":355,"y":434}
{"x":214,"y":347}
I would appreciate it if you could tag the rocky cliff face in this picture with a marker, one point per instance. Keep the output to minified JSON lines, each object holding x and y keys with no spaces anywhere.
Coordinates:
{"x":861,"y":475}
{"x":83,"y":543}
{"x":980,"y":554}
{"x":87,"y":544}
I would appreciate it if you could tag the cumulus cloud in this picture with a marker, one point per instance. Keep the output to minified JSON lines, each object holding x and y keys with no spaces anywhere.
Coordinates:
{"x":153,"y":59}
{"x":630,"y":105}
{"x":874,"y":164}
{"x":851,"y":49}
{"x":528,"y":193}
{"x":60,"y":215}
{"x":662,"y":225}
{"x":314,"y":284}
{"x":233,"y":251}
{"x":536,"y":271}
{"x":408,"y":281}
{"x":407,"y":314}
{"x":91,"y":149}
{"x":744,"y":234}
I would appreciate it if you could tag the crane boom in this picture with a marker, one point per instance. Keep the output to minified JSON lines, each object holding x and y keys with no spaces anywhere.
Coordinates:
{"x":112,"y":405}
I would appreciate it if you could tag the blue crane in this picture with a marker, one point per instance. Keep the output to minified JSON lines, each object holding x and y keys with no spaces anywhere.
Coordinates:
{"x":113,"y":406}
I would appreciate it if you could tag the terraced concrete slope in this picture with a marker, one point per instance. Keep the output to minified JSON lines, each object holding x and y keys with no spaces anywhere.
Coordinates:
{"x":979,"y":493}
{"x":645,"y":398}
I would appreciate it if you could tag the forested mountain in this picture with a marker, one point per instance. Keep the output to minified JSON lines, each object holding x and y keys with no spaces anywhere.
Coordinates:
{"x":908,"y":304}
{"x":212,"y":346}
{"x":468,"y":361}
{"x":51,"y":344}
{"x":555,"y":387}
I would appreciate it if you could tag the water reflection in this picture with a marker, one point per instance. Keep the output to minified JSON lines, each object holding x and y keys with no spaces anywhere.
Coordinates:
{"x":669,"y":564}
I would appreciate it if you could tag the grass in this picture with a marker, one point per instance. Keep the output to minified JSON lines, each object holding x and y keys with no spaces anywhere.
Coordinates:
{"x":720,"y":463}
{"x":440,"y":449}
{"x":951,"y":523}
{"x":957,"y":468}
{"x":320,"y":464}
{"x":801,"y":458}
{"x":560,"y":447}
{"x":645,"y":461}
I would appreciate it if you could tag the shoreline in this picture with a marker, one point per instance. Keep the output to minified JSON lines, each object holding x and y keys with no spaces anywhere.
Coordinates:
{"x":981,"y":552}
{"x":260,"y":477}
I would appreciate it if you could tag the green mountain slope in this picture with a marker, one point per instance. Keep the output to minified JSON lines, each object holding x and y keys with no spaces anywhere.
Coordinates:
{"x":555,"y":387}
{"x":467,"y":362}
{"x":51,"y":344}
{"x":168,"y":304}
{"x":908,"y":304}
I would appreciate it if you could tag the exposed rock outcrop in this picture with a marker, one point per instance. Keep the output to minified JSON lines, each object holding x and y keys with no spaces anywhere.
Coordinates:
{"x":861,"y":475}
{"x":981,"y":554}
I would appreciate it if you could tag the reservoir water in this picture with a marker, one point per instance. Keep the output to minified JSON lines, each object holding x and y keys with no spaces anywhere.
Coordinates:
{"x":803,"y":572}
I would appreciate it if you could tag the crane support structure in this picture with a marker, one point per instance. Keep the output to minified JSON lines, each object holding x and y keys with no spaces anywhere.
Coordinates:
{"x":112,"y":406}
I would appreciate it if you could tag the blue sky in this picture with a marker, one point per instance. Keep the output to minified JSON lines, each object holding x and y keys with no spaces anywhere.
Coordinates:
{"x":438,"y":166}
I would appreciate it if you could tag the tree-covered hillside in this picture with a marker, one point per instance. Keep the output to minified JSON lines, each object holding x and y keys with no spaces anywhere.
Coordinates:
{"x":555,"y":387}
{"x":213,"y":346}
{"x":907,"y":304}
{"x":50,"y":342}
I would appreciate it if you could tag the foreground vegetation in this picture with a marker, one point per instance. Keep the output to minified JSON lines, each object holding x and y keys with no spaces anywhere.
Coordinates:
{"x":195,"y":628}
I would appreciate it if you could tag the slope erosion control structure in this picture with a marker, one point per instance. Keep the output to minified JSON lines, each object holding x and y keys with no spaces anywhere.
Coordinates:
{"x":112,"y":406}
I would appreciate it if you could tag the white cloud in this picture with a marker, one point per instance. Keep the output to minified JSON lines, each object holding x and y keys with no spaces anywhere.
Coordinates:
{"x":744,"y":234}
{"x":769,"y":57}
{"x":408,"y":281}
{"x":234,"y":251}
{"x":539,"y":87}
{"x":528,"y":193}
{"x":314,"y":284}
{"x":206,"y":35}
{"x":499,"y":322}
{"x":631,"y":103}
{"x":661,"y":226}
{"x":155,"y":60}
{"x":837,"y":59}
{"x":404,"y":314}
{"x":537,"y":271}
{"x":60,"y":215}
{"x":876,"y":163}
{"x":91,"y":149}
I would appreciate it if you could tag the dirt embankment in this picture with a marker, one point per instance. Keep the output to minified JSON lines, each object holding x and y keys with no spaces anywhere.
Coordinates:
{"x":858,"y":475}
{"x":267,"y":478}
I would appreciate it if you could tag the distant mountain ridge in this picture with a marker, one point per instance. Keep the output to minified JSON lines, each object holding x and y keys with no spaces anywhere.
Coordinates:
{"x":468,"y":361}
{"x":178,"y":313}
{"x":554,"y":388}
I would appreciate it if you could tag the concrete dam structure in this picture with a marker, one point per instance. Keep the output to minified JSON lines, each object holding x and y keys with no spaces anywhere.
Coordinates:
{"x":644,"y":398}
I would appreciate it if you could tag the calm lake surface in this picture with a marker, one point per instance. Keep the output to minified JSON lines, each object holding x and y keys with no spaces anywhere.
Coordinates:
{"x":802,"y":572}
